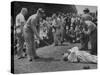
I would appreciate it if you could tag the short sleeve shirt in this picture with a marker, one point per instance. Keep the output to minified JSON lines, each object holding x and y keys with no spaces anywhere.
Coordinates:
{"x":19,"y":19}
{"x":87,"y":17}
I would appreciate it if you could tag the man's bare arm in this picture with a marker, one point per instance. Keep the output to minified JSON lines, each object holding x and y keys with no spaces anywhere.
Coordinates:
{"x":35,"y":32}
{"x":20,"y":26}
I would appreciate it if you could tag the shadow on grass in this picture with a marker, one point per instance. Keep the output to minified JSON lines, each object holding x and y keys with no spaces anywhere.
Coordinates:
{"x":49,"y":59}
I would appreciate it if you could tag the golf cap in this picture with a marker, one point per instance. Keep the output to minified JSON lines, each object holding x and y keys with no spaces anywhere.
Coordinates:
{"x":40,"y":10}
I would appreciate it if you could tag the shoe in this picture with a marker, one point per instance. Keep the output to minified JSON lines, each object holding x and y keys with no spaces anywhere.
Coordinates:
{"x":20,"y":57}
{"x":55,"y":44}
{"x":30,"y":59}
{"x":25,"y":55}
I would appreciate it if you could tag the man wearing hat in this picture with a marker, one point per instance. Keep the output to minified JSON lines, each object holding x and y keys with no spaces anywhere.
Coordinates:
{"x":20,"y":22}
{"x":85,"y":38}
{"x":31,"y":29}
{"x":86,"y":15}
{"x":90,"y":33}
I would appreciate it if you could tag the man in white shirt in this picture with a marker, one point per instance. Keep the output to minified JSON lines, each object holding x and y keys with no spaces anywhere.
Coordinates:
{"x":57,"y":31}
{"x":75,"y":55}
{"x":30,"y":29}
{"x":20,"y":22}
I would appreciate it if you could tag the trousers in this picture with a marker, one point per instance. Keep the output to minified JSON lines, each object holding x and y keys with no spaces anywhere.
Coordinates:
{"x":84,"y":41}
{"x":93,"y":41}
{"x":30,"y":42}
{"x":57,"y":36}
{"x":20,"y":43}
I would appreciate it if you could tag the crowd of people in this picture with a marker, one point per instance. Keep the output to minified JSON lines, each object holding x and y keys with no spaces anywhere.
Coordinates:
{"x":56,"y":29}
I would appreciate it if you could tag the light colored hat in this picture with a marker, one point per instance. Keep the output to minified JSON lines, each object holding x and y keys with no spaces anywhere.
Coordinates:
{"x":40,"y":10}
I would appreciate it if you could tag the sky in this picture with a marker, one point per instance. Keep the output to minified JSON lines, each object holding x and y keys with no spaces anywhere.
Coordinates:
{"x":80,"y":8}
